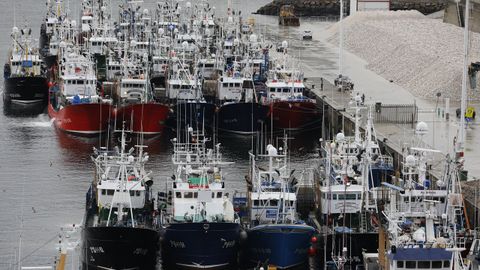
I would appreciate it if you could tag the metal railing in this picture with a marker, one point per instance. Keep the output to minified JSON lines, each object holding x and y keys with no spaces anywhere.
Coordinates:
{"x":396,"y":113}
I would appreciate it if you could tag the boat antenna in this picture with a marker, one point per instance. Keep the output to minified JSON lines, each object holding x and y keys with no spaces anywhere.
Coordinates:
{"x":460,"y":145}
{"x":14,"y":14}
{"x":340,"y":55}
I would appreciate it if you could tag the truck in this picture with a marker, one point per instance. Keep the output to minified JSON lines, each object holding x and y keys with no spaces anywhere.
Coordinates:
{"x":287,"y":16}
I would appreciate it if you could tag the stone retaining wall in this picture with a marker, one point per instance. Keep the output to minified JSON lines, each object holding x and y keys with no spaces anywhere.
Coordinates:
{"x":332,"y":7}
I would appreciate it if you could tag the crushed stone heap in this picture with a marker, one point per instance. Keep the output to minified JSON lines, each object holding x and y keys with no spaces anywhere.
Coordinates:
{"x":421,"y":54}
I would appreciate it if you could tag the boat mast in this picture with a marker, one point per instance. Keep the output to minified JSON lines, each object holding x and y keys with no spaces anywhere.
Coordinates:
{"x":340,"y":55}
{"x":460,"y":146}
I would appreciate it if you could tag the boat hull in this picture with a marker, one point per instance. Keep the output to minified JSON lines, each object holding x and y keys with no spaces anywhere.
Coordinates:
{"x":85,"y":119}
{"x":294,"y":115}
{"x":119,"y":248}
{"x":282,"y":245}
{"x":25,"y":95}
{"x":147,"y":118}
{"x":242,"y":118}
{"x":200,"y":245}
{"x":50,"y":60}
{"x":195,"y":114}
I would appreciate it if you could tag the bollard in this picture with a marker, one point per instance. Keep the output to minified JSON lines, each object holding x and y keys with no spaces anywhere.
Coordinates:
{"x":447,"y":108}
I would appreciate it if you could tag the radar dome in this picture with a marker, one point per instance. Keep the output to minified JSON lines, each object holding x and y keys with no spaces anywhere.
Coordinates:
{"x":340,"y":137}
{"x":272,"y":151}
{"x":422,"y":128}
{"x":410,"y":160}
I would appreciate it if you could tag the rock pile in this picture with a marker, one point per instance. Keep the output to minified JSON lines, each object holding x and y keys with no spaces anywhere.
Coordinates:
{"x":420,"y":54}
{"x":332,"y":7}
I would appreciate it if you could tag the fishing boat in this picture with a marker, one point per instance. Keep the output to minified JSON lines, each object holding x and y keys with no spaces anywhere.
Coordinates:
{"x":240,"y":112}
{"x":49,"y":30}
{"x":74,"y":101}
{"x":199,"y":226}
{"x":138,"y":108}
{"x":424,"y":224}
{"x":190,"y":107}
{"x":275,"y":235}
{"x":25,"y":81}
{"x":136,"y":105}
{"x":119,"y":230}
{"x":290,"y":109}
{"x":351,"y":170}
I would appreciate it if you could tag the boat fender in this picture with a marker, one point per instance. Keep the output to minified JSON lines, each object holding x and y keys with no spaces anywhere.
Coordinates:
{"x":243,"y":237}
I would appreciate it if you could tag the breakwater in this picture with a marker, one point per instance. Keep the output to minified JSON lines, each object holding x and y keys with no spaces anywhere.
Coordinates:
{"x":332,"y":7}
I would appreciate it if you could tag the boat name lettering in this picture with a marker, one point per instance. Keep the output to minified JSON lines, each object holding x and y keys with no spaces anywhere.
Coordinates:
{"x":348,"y":205}
{"x":96,"y":250}
{"x":177,"y":244}
{"x":140,"y":251}
{"x":228,"y":244}
{"x":300,"y":251}
{"x":271,"y":213}
{"x":67,"y":120}
{"x":234,"y":120}
{"x":15,"y":95}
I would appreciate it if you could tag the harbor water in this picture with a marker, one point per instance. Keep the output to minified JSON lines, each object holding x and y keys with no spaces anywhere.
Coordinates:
{"x":46,"y":173}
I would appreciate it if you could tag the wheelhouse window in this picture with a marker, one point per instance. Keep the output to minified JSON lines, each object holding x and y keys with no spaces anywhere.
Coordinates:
{"x":110,"y":192}
{"x":219,"y":194}
{"x":188,"y":195}
{"x":178,"y":195}
{"x":399,"y":264}
{"x":411,"y":264}
{"x":273,"y":202}
{"x":423,"y":264}
{"x":436,"y":264}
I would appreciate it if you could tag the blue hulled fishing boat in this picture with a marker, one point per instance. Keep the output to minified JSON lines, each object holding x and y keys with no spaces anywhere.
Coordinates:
{"x":276,"y":236}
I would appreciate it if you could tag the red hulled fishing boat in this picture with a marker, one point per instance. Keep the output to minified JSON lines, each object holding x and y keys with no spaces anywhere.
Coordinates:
{"x":74,"y":103}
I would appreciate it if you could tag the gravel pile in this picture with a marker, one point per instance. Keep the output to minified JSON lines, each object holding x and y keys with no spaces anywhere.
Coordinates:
{"x":421,"y":54}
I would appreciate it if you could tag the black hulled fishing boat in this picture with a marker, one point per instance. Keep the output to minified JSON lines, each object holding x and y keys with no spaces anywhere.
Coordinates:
{"x":25,"y":83}
{"x":240,"y":112}
{"x":120,"y":229}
